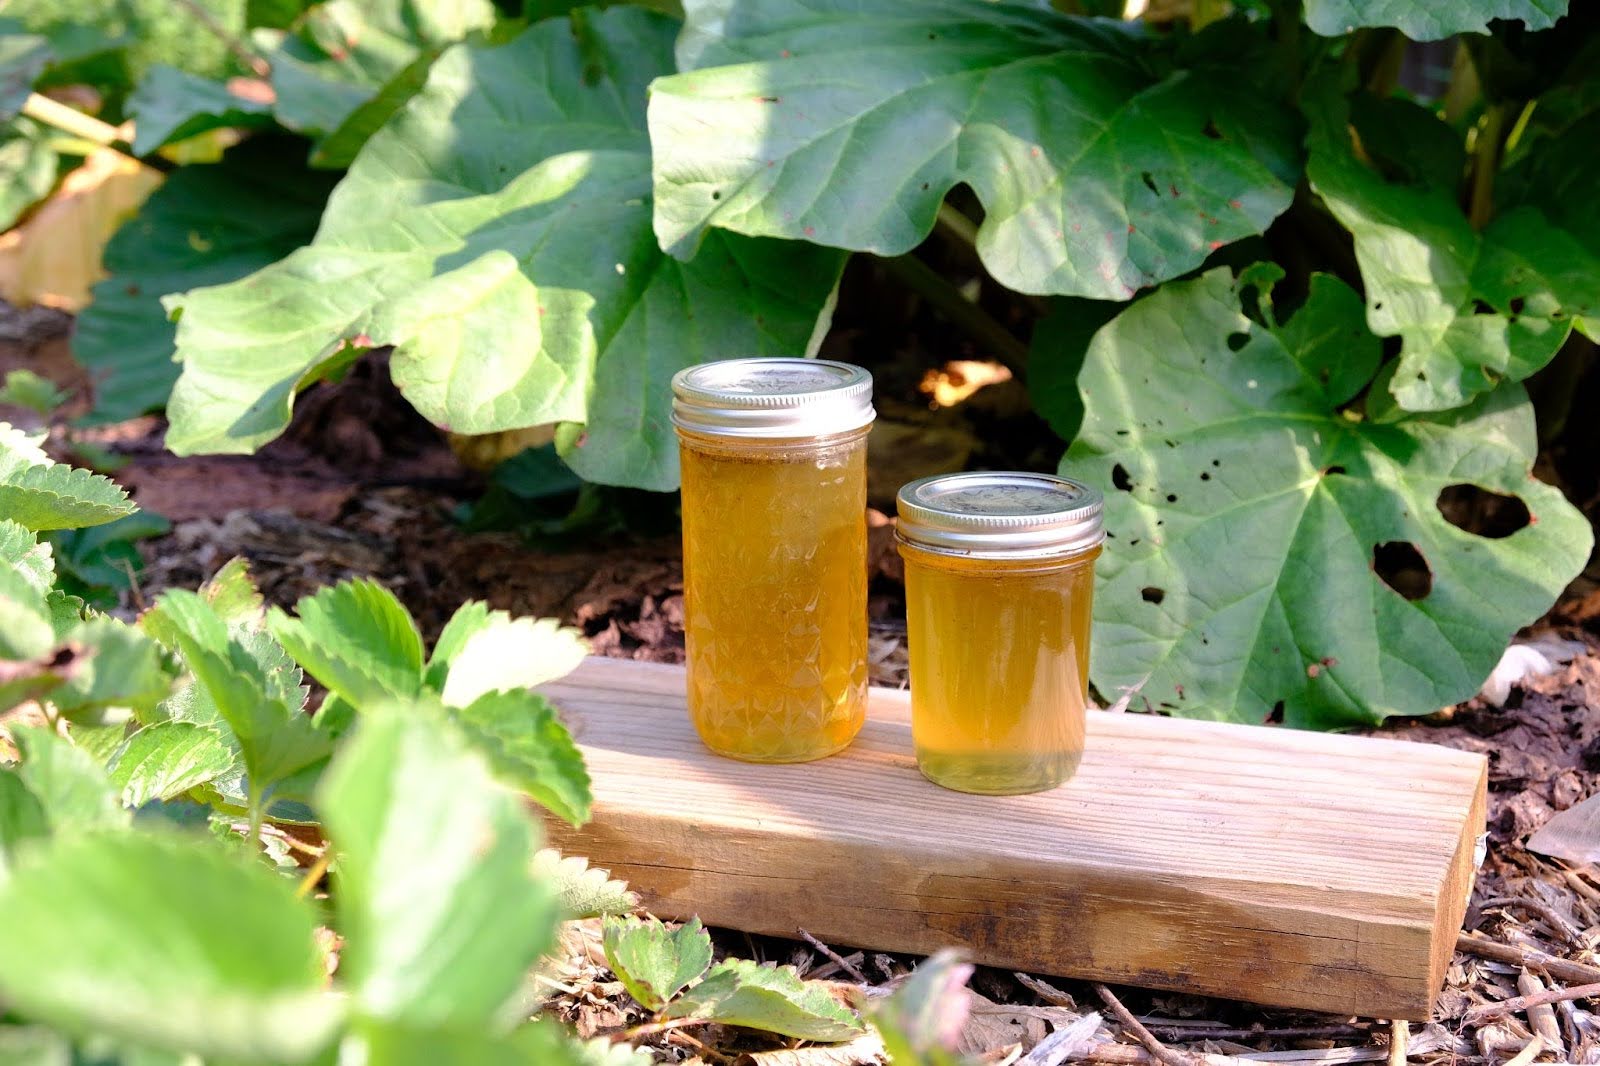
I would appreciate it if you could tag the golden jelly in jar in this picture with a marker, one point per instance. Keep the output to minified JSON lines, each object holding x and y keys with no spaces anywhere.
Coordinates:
{"x":773,"y":453}
{"x":999,"y":585}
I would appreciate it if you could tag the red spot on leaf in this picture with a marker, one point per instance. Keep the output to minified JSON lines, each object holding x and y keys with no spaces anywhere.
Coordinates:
{"x":1313,"y":670}
{"x":784,"y":53}
{"x":1034,"y":151}
{"x":1235,"y":204}
{"x":811,"y":231}
{"x":583,"y":438}
{"x":361,"y":340}
{"x":541,"y":309}
{"x":1130,"y":227}
{"x":1077,"y":226}
{"x":1215,"y":245}
{"x":1174,"y":190}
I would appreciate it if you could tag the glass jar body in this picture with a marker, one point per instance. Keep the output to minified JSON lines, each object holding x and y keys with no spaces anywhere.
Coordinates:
{"x":775,"y":593}
{"x":999,"y":668}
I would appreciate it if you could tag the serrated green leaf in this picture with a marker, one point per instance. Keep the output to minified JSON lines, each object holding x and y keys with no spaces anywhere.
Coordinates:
{"x":1470,"y":309}
{"x":203,"y":952}
{"x":205,"y":225}
{"x":529,"y":748}
{"x":29,"y":165}
{"x":250,"y":683}
{"x":507,"y":654}
{"x":71,"y":787}
{"x":165,"y":760}
{"x":771,"y":999}
{"x":515,"y":271}
{"x":471,"y":617}
{"x":1242,"y":470}
{"x":171,"y":105}
{"x":33,"y":561}
{"x":1426,"y":20}
{"x":1106,"y":159}
{"x":119,"y":667}
{"x":357,"y":639}
{"x":23,"y":822}
{"x":25,"y":629}
{"x":39,"y":493}
{"x":655,"y":963}
{"x":437,"y":902}
{"x":22,"y":57}
{"x":582,"y":890}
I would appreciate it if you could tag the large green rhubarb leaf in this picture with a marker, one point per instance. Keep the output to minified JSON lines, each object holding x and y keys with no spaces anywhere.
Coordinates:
{"x":1429,"y":20}
{"x":497,"y":231}
{"x":1106,"y":160}
{"x":1471,"y":309}
{"x":205,"y":225}
{"x":1252,"y":520}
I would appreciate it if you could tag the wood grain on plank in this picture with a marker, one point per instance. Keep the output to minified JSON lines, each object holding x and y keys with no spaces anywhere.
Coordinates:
{"x":1288,"y":868}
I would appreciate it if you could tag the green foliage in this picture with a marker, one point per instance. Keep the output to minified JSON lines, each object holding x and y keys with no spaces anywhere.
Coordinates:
{"x":536,"y":246}
{"x":73,"y":792}
{"x":167,"y":759}
{"x":434,"y":881}
{"x":529,"y":748}
{"x":97,"y":563}
{"x":1471,"y":309}
{"x":1243,"y":472}
{"x":1106,"y":160}
{"x":772,"y":999}
{"x":655,"y":963}
{"x":41,"y":494}
{"x":167,"y":943}
{"x":582,"y":890}
{"x":1425,"y":20}
{"x":205,"y":225}
{"x":24,"y":388}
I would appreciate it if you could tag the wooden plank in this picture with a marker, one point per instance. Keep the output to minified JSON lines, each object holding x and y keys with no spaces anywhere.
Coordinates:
{"x":1288,"y":868}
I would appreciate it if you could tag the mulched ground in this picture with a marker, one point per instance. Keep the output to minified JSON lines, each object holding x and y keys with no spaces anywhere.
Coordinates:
{"x":360,"y":488}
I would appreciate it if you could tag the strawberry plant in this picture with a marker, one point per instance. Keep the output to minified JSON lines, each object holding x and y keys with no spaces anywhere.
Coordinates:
{"x":1292,"y":274}
{"x":152,"y":916}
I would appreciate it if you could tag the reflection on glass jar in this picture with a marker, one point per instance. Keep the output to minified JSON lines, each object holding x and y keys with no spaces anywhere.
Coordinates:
{"x":773,"y":454}
{"x":999,"y":589}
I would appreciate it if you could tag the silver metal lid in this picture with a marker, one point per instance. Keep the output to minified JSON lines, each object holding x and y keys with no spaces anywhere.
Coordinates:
{"x":772,"y":398}
{"x":1000,"y":515}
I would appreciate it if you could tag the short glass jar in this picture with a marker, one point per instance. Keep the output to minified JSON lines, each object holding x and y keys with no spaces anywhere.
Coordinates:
{"x":999,"y":587}
{"x":773,"y":454}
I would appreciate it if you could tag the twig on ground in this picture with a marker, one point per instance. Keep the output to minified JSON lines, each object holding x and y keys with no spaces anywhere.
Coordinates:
{"x":1045,"y":991}
{"x":1558,"y":924}
{"x":1559,"y":968}
{"x":1541,"y":1016}
{"x":834,"y":957}
{"x":1399,"y":1038}
{"x":1521,"y":1003}
{"x":1140,"y":1033}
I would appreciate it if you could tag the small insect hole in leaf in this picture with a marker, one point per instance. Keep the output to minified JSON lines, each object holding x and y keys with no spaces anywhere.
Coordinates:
{"x":1120,"y":479}
{"x":1334,"y":469}
{"x":1210,"y":130}
{"x":1236,"y":341}
{"x":1172,"y":497}
{"x":1517,"y":303}
{"x":716,"y":194}
{"x":1493,"y":515}
{"x":1401,"y":566}
{"x":1481,"y":308}
{"x":1150,"y":182}
{"x":1151,"y":594}
{"x":1275,"y":716}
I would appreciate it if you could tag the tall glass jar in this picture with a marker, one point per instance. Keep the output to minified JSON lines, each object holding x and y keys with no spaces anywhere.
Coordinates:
{"x":773,"y":453}
{"x":999,"y":585}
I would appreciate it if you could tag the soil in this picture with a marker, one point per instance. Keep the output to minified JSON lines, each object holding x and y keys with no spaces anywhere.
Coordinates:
{"x":361,"y":487}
